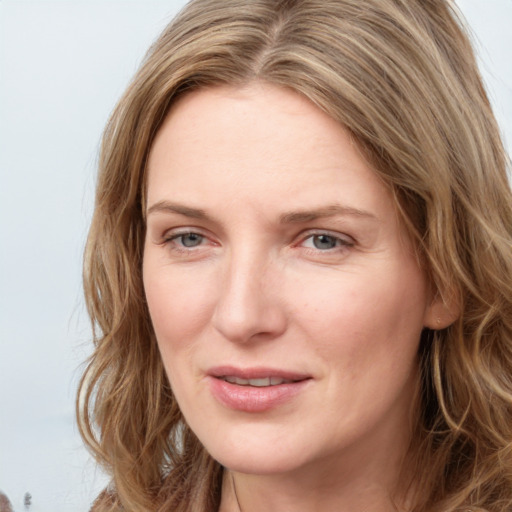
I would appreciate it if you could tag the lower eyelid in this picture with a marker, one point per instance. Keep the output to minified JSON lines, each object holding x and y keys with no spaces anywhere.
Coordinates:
{"x":179,"y":239}
{"x":172,"y":243}
{"x":173,"y":237}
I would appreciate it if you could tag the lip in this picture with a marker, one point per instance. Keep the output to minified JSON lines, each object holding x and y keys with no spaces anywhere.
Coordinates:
{"x":255,"y":399}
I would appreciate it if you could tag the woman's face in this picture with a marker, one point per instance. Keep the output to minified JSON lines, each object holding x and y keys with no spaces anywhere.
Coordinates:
{"x":284,"y":292}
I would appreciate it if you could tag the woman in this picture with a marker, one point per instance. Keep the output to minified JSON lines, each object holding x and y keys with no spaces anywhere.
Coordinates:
{"x":299,"y":267}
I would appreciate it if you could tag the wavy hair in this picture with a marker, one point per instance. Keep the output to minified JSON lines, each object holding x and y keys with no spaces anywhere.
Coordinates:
{"x":401,"y":76}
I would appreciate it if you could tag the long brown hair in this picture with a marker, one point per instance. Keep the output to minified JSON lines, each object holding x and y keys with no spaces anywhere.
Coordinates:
{"x":401,"y":76}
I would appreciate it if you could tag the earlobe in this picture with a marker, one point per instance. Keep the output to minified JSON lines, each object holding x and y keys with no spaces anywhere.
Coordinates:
{"x":442,"y":312}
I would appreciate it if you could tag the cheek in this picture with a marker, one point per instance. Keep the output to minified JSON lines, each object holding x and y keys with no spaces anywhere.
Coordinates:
{"x":180,"y":309}
{"x":179,"y":305}
{"x":363,"y":315}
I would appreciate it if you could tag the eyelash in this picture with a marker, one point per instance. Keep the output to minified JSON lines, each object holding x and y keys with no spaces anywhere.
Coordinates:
{"x":172,"y":238}
{"x":341,"y":242}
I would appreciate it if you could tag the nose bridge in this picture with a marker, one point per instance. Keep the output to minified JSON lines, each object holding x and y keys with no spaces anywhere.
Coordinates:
{"x":248,"y":304}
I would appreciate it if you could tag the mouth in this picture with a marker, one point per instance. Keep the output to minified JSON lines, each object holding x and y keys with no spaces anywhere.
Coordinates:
{"x":257,"y":377}
{"x":257,"y":383}
{"x":255,"y":389}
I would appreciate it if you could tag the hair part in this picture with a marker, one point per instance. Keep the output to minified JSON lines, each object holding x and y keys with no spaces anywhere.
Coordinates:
{"x":401,"y":76}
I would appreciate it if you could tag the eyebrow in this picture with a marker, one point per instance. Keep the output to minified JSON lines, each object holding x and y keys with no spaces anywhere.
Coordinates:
{"x":169,"y":207}
{"x":320,"y":213}
{"x":291,"y":217}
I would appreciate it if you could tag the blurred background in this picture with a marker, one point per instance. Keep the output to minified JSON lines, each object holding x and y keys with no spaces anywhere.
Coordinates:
{"x":63,"y":65}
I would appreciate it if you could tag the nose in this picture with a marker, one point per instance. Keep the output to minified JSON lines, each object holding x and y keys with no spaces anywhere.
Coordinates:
{"x":250,"y":306}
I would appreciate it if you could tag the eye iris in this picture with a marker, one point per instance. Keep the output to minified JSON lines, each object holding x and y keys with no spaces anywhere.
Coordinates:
{"x":324,"y":242}
{"x":191,"y":239}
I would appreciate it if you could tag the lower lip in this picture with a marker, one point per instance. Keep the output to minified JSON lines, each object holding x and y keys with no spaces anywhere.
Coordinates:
{"x":252,"y":398}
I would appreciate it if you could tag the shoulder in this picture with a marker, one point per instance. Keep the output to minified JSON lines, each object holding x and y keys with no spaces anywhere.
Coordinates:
{"x":5,"y":504}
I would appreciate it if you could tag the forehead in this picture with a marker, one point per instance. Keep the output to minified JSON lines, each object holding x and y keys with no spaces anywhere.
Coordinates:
{"x":258,"y":115}
{"x":253,"y":140}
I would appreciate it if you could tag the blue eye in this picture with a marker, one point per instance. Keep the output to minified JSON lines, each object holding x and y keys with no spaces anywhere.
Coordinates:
{"x":191,"y":240}
{"x":187,"y":245}
{"x":188,"y":240}
{"x":324,"y":242}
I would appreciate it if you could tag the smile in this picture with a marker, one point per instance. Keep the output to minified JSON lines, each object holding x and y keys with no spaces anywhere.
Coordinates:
{"x":258,"y":383}
{"x":255,"y":390}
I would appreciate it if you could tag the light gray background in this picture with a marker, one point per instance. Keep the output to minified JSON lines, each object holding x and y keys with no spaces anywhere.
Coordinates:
{"x":63,"y":64}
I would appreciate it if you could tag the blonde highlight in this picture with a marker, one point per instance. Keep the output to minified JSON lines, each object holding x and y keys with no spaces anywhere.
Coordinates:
{"x":401,"y":76}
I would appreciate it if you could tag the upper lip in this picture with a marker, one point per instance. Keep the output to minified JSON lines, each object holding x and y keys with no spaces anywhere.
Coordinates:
{"x":256,"y":373}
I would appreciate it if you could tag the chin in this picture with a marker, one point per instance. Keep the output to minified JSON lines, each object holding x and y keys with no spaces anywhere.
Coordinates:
{"x":255,"y":455}
{"x":259,"y":464}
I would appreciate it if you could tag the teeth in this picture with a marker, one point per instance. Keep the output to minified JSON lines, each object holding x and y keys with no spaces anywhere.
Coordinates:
{"x":258,"y":383}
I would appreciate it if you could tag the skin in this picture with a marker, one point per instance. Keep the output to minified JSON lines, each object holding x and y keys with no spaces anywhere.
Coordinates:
{"x":337,"y":295}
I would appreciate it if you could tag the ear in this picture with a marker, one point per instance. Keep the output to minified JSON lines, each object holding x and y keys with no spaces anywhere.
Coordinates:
{"x":443,"y":310}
